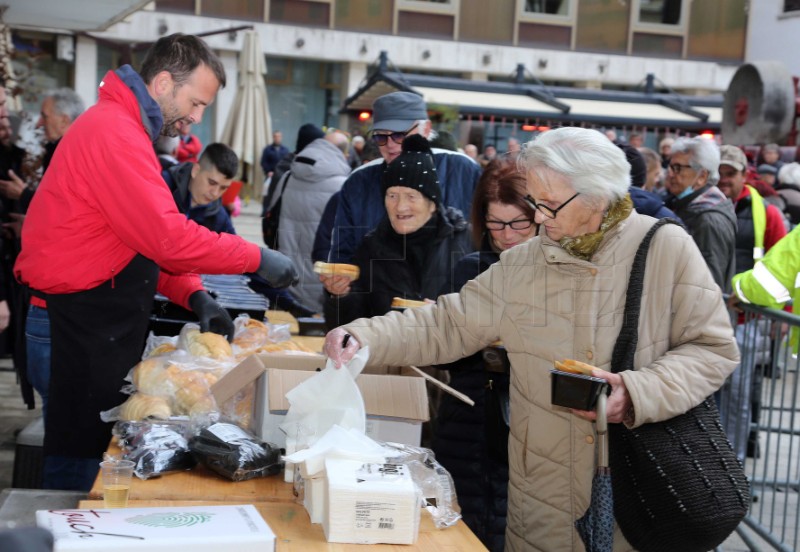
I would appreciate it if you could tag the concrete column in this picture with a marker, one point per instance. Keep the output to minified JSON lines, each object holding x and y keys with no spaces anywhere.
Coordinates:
{"x":86,"y":78}
{"x":353,"y":74}
{"x":226,"y":95}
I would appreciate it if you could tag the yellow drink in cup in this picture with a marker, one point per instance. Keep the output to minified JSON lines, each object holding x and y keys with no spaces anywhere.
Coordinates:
{"x":116,"y":482}
{"x":116,"y":496}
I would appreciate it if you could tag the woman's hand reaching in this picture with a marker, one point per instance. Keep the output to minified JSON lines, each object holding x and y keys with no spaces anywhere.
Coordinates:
{"x":340,"y":346}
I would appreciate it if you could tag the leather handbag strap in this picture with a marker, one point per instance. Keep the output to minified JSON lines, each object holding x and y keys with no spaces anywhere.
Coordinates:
{"x":625,"y":347}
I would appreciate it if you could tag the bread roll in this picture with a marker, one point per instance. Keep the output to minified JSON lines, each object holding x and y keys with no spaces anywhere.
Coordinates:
{"x":400,"y":303}
{"x":337,"y":269}
{"x":140,"y":406}
{"x":252,"y":335}
{"x":150,"y":377}
{"x":162,"y":349}
{"x":191,"y":386}
{"x":208,"y":344}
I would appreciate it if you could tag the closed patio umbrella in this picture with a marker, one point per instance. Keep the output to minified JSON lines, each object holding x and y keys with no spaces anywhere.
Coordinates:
{"x":249,"y":126}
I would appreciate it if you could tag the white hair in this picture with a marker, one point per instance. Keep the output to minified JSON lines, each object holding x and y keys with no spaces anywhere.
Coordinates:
{"x":789,"y":174}
{"x":594,"y":166}
{"x":704,"y":155}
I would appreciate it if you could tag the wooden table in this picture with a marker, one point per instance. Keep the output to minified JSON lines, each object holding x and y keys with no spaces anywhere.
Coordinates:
{"x":295,"y":532}
{"x":201,"y":483}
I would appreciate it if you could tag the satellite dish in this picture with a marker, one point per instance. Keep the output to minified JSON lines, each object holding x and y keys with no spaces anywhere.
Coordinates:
{"x":759,"y":106}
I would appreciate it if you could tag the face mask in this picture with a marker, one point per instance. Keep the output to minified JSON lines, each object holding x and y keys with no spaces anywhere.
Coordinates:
{"x":686,"y":192}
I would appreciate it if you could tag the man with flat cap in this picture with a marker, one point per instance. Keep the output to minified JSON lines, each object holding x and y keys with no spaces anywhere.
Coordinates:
{"x":361,"y":207}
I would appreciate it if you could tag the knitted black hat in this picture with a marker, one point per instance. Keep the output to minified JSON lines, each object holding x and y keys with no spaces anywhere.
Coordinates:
{"x":414,"y":168}
{"x":307,"y":134}
{"x":638,"y":165}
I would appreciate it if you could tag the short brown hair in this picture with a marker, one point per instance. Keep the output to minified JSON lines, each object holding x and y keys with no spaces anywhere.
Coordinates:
{"x":180,"y":55}
{"x":502,"y":182}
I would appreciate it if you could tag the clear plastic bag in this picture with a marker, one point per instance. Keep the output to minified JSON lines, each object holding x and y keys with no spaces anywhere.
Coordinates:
{"x":235,"y":453}
{"x":156,"y":448}
{"x":434,"y":482}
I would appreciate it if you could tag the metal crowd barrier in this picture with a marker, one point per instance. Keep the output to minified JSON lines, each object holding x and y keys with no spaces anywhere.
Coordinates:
{"x":760,"y":411}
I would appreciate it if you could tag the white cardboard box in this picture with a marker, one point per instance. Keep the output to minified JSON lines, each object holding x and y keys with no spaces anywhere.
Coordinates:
{"x":163,"y":529}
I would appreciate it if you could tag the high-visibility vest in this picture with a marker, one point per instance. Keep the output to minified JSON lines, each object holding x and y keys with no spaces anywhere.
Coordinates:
{"x":759,"y":211}
{"x":774,"y":279}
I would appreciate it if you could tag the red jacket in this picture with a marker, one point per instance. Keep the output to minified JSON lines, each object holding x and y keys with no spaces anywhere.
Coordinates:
{"x":103,"y":200}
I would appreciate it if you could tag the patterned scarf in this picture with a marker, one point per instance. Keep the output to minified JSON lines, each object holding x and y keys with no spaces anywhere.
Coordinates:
{"x":584,"y":246}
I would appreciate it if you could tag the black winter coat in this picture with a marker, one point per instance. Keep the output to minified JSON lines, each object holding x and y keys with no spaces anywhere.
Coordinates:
{"x":387,"y":272}
{"x":467,"y":441}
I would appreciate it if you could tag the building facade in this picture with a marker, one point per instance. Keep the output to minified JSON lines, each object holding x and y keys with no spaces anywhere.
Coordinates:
{"x":318,"y":52}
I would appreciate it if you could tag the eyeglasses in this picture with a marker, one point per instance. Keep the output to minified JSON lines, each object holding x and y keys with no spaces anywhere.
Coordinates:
{"x":397,"y":137}
{"x":519,"y":224}
{"x":544,"y":209}
{"x":677,"y":167}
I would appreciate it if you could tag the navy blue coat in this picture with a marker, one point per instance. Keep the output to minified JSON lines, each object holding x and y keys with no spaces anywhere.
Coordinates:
{"x":361,"y":205}
{"x":467,"y":441}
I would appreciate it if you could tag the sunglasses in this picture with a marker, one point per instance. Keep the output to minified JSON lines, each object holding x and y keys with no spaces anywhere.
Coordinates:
{"x":397,"y":137}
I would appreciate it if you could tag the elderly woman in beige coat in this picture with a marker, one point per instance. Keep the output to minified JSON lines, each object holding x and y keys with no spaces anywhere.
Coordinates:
{"x":561,"y":296}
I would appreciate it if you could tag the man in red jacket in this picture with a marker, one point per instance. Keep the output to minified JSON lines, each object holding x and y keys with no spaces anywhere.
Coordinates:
{"x":103,"y":234}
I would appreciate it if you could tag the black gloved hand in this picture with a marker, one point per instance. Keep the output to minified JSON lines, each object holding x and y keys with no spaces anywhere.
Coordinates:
{"x":277,"y":269}
{"x":212,"y":317}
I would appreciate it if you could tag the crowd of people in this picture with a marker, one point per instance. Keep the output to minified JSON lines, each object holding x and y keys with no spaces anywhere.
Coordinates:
{"x":518,"y":258}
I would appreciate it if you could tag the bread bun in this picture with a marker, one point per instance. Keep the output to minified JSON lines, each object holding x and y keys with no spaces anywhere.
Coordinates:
{"x":288,"y":345}
{"x":150,"y":377}
{"x":252,"y":335}
{"x":574,"y":366}
{"x":208,"y":344}
{"x":162,"y":349}
{"x":337,"y":269}
{"x":141,"y":406}
{"x":400,"y":303}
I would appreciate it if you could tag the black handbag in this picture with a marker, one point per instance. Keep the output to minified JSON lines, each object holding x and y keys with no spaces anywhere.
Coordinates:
{"x":677,"y":484}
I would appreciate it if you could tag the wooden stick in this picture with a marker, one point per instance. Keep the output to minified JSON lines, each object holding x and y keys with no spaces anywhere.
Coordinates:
{"x":444,"y":386}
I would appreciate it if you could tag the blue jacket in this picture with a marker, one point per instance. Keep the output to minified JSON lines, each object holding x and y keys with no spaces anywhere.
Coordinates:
{"x":361,"y":205}
{"x":213,"y":216}
{"x":648,"y":203}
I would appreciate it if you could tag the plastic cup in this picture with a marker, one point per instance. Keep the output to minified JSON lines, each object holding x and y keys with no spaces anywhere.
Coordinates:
{"x":116,"y":482}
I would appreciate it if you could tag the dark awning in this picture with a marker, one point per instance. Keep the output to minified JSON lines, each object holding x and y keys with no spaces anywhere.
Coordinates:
{"x":532,"y":102}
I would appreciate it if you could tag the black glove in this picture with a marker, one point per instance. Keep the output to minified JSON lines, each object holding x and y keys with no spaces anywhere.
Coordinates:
{"x":277,"y":269}
{"x":212,"y":317}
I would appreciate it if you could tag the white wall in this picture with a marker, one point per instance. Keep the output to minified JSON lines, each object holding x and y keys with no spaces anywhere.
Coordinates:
{"x":773,"y":35}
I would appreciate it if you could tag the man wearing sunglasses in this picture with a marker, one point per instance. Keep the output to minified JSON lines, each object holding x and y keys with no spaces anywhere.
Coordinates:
{"x":395,"y":116}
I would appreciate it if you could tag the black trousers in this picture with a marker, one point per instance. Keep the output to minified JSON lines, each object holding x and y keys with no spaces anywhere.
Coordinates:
{"x":97,"y":337}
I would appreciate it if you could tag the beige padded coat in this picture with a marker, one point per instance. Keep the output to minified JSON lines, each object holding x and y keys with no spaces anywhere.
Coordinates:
{"x":546,"y":305}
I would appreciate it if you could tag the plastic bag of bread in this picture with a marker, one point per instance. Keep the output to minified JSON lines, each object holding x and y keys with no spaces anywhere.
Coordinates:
{"x":234,"y":453}
{"x":158,"y":345}
{"x":204,"y":344}
{"x":249,"y":334}
{"x":139,"y":406}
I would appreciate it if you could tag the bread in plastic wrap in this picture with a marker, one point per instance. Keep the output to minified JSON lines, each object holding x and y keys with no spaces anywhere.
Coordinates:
{"x":141,"y":406}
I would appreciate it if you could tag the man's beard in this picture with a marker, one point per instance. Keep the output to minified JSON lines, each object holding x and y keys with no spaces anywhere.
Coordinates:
{"x":170,"y":128}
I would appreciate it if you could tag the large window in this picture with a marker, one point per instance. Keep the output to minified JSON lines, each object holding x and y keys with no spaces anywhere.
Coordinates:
{"x":552,"y":7}
{"x":660,"y":12}
{"x":558,"y":12}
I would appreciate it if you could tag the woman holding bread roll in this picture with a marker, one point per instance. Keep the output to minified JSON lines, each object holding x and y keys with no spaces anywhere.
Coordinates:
{"x":561,"y":296}
{"x":413,"y":250}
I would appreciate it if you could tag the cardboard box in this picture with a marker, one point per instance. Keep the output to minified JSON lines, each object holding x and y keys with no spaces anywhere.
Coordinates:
{"x":196,"y":528}
{"x":396,"y":405}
